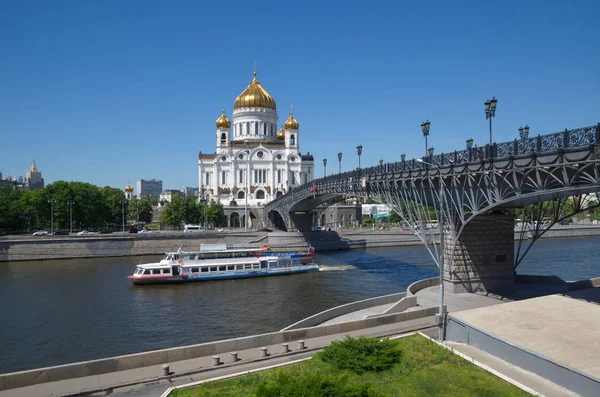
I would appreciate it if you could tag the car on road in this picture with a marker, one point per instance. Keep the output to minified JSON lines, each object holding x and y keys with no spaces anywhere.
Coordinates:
{"x":317,"y":229}
{"x":60,"y":233}
{"x":40,"y":233}
{"x":86,"y":233}
{"x":222,"y":229}
{"x":144,"y":231}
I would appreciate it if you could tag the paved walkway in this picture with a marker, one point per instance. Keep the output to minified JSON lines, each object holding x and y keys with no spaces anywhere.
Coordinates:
{"x":560,"y":328}
{"x":359,"y":314}
{"x":147,"y":381}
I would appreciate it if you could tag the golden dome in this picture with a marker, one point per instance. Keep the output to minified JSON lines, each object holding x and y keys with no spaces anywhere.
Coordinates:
{"x":281,"y":134}
{"x":255,"y":96}
{"x":129,"y":188}
{"x":223,"y":121}
{"x":291,"y":123}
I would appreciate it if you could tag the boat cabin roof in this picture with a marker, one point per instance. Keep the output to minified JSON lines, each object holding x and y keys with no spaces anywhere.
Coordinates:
{"x":223,"y":251}
{"x":206,"y":262}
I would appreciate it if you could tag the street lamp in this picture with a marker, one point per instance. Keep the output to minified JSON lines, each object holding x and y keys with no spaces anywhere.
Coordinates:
{"x":71,"y":204}
{"x":469,"y":148}
{"x":123,"y":215}
{"x":425,"y":129}
{"x":324,"y":168}
{"x":51,"y":215}
{"x":204,"y":203}
{"x":247,"y":151}
{"x":441,"y":256}
{"x":490,"y":111}
{"x":524,"y":133}
{"x":340,"y":161}
{"x":359,"y":151}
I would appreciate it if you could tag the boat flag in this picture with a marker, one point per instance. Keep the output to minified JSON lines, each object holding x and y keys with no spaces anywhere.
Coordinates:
{"x":311,"y":248}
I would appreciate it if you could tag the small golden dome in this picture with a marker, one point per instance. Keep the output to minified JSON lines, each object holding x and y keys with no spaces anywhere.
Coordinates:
{"x":281,"y":134}
{"x":129,"y":188}
{"x":255,"y":96}
{"x":291,"y":123}
{"x":223,"y":121}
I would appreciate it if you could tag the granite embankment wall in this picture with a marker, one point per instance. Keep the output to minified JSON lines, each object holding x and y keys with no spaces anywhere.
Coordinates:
{"x":18,"y":248}
{"x":156,"y":357}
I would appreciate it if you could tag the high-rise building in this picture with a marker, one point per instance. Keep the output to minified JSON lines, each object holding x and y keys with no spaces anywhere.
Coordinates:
{"x":190,"y":191}
{"x":33,"y":178}
{"x":149,"y":187}
{"x":0,"y":175}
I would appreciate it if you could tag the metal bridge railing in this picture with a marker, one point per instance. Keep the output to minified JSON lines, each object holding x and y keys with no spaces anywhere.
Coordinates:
{"x":524,"y":146}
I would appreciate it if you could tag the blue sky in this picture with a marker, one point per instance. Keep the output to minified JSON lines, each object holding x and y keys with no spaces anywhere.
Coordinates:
{"x":109,"y":92}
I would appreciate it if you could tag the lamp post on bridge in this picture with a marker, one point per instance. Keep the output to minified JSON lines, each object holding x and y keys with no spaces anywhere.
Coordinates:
{"x":490,"y":111}
{"x":324,"y":168}
{"x":469,"y":148}
{"x":340,"y":162}
{"x":425,"y":129}
{"x":359,"y":152}
{"x":440,"y":315}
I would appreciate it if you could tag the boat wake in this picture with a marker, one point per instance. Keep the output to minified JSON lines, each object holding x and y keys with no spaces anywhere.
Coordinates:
{"x":325,"y":268}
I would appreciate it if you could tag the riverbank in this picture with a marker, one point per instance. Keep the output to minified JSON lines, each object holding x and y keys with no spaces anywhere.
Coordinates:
{"x":26,"y":248}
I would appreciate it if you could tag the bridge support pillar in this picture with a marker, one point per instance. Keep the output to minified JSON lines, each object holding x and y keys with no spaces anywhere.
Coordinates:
{"x":483,"y":258}
{"x":302,"y":221}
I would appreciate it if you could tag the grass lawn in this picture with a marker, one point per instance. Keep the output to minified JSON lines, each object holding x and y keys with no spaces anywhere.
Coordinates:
{"x":422,"y":369}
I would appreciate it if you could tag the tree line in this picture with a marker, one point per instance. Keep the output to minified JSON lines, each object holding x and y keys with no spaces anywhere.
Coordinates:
{"x":187,"y":211}
{"x":91,"y":207}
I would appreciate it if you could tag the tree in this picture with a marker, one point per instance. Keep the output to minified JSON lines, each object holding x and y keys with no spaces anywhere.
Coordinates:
{"x":394,"y":217}
{"x":190,"y":211}
{"x":215,"y":212}
{"x":172,"y":213}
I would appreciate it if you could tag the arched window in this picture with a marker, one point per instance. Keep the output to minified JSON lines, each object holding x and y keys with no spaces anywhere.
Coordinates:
{"x":223,"y":139}
{"x":240,"y":194}
{"x":260,"y":195}
{"x":279,"y":194}
{"x":292,"y":139}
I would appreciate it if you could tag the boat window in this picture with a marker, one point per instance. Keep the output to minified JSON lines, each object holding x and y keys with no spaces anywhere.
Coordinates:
{"x":155,"y":271}
{"x":203,"y":269}
{"x":166,"y":271}
{"x":147,"y":271}
{"x":263,"y":264}
{"x":213,"y":268}
{"x":192,"y":256}
{"x":176,"y":256}
{"x":168,"y":257}
{"x":222,"y":268}
{"x":231,"y":267}
{"x":256,"y":266}
{"x":239,"y":267}
{"x":195,"y":270}
{"x":247,"y":267}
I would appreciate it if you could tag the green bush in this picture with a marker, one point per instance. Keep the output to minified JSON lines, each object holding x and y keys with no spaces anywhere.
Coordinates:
{"x":361,"y":355}
{"x":312,"y":384}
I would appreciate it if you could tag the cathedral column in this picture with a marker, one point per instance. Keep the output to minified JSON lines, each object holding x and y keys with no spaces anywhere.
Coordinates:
{"x":272,"y":181}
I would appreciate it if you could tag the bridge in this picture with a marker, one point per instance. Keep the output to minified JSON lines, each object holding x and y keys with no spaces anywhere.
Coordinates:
{"x":471,"y":194}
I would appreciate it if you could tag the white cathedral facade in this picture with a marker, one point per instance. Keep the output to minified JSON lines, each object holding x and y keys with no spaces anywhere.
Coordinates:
{"x":254,"y":162}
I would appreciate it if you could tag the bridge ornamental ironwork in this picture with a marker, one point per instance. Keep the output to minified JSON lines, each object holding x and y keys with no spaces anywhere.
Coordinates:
{"x":456,"y":187}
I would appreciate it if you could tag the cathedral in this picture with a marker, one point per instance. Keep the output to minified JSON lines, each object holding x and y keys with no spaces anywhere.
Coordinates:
{"x":254,"y":161}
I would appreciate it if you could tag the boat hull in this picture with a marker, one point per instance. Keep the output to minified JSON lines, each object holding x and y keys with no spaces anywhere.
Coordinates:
{"x":224,"y":276}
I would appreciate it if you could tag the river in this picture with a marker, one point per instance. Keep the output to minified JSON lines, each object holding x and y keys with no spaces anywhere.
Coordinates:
{"x":61,"y":311}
